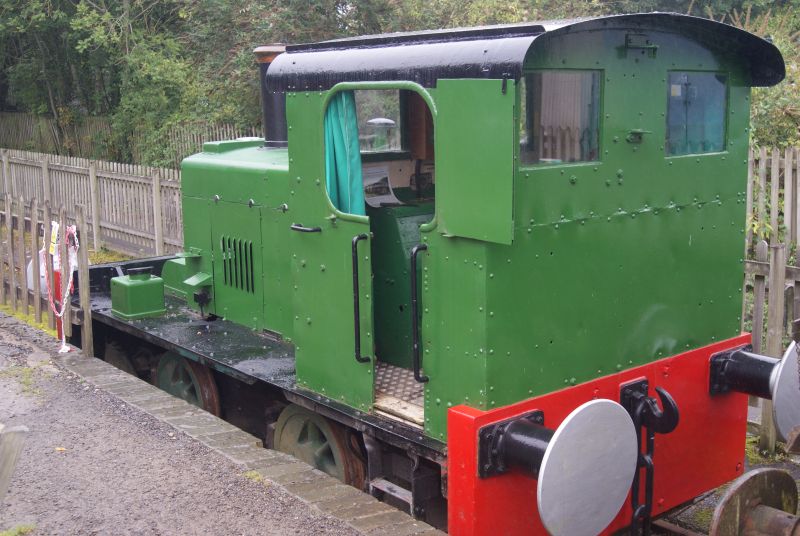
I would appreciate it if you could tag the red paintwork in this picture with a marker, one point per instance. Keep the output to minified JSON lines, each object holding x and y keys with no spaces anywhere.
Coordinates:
{"x":705,"y":450}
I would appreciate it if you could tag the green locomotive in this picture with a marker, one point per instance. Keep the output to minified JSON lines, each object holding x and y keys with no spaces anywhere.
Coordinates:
{"x":452,"y":243}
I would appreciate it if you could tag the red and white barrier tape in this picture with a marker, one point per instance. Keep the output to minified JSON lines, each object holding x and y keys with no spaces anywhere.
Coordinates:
{"x":70,"y":230}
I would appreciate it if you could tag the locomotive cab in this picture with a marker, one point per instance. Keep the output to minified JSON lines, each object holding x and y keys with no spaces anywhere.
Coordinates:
{"x":449,"y":231}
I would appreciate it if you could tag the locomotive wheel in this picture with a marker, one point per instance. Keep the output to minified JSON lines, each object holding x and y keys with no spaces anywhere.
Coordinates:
{"x":115,"y":354}
{"x":320,"y":443}
{"x":188,"y":381}
{"x":763,"y":501}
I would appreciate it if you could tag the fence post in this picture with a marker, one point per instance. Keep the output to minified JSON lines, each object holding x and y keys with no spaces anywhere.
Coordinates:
{"x":11,"y":442}
{"x":12,"y":264}
{"x":761,"y":206}
{"x":796,"y":214}
{"x":48,"y":264}
{"x":774,"y":202}
{"x":23,"y":272}
{"x":35,"y":259}
{"x":759,"y":287}
{"x":789,"y":205}
{"x":157,"y":215}
{"x":46,"y":191}
{"x":87,"y":341}
{"x":94,"y":193}
{"x":65,"y":271}
{"x":796,"y":301}
{"x":3,"y":257}
{"x":777,"y":280}
{"x":6,"y":173}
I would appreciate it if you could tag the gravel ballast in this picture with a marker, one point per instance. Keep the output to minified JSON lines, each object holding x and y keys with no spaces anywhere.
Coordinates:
{"x":93,"y":464}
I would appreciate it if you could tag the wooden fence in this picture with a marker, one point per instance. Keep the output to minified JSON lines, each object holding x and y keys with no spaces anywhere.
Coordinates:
{"x":39,"y":133}
{"x":771,"y":307}
{"x":132,"y":209}
{"x":83,"y":139}
{"x":186,"y":140}
{"x":24,"y":232}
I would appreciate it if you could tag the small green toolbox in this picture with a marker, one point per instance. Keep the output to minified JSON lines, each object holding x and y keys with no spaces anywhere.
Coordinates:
{"x":139,"y":294}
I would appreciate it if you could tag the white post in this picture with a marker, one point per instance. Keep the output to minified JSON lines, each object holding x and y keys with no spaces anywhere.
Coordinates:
{"x":46,"y":191}
{"x":158,"y":221}
{"x":6,"y":174}
{"x":94,"y":192}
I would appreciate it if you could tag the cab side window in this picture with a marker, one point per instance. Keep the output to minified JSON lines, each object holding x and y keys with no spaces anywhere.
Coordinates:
{"x":696,"y":106}
{"x":380,"y":122}
{"x":560,"y":116}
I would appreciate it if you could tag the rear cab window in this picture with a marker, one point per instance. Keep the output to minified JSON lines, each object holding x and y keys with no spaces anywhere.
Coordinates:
{"x":697,"y":105}
{"x":560,"y":116}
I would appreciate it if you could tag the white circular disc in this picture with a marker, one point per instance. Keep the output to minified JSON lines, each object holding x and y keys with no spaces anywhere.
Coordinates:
{"x":786,"y":393}
{"x":587,"y":470}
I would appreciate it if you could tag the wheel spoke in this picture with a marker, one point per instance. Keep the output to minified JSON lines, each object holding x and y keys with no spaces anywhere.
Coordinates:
{"x":302,"y":435}
{"x":174,"y":373}
{"x":322,"y":453}
{"x":329,"y":466}
{"x":185,"y":376}
{"x":314,"y":433}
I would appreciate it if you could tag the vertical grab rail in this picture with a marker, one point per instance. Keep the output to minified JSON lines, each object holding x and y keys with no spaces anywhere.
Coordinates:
{"x":415,"y":335}
{"x":356,"y":305}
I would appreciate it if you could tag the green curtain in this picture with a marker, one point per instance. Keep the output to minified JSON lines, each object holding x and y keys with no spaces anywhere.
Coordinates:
{"x":343,"y":155}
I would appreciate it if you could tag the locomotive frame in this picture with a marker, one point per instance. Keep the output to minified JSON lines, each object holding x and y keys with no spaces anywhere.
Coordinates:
{"x":282,"y":297}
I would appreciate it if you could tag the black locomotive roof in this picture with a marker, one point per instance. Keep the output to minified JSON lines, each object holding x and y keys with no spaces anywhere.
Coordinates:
{"x":486,"y":52}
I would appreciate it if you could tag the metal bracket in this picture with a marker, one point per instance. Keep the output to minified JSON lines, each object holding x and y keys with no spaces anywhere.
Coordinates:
{"x":489,"y":460}
{"x":717,"y":384}
{"x":630,"y":393}
{"x":641,"y":42}
{"x":636,"y":135}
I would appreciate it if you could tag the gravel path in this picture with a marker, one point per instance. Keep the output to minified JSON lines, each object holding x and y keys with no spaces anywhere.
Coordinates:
{"x":92,"y":465}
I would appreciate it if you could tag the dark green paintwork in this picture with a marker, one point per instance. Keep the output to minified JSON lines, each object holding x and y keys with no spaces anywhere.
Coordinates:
{"x":536,"y":278}
{"x":395,"y":231}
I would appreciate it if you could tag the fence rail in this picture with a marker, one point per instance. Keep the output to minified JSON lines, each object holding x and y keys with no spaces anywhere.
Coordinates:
{"x":185,"y":140}
{"x":773,"y":196}
{"x":129,"y":208}
{"x":39,"y":133}
{"x":29,"y":132}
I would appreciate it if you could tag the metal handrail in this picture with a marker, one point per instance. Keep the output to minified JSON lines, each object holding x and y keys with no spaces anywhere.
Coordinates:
{"x":356,"y":305}
{"x":415,"y":331}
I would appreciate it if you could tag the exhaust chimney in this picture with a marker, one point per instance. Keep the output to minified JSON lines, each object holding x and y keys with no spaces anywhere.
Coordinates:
{"x":273,"y":103}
